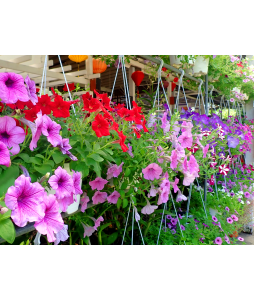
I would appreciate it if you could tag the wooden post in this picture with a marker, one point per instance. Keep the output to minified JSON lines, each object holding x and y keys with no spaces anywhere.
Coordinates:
{"x":131,"y":85}
{"x":89,"y":69}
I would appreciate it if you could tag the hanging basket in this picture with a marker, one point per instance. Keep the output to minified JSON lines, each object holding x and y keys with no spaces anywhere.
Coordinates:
{"x":175,"y":61}
{"x":99,"y":66}
{"x":200,"y":66}
{"x":78,"y":58}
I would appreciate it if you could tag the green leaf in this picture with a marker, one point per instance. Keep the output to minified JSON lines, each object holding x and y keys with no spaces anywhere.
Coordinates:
{"x":127,"y":172}
{"x":124,"y":185}
{"x":40,"y":156}
{"x":44,"y":169}
{"x":106,"y":155}
{"x":7,"y":230}
{"x":119,"y":202}
{"x":7,"y":214}
{"x":122,"y":193}
{"x":25,"y":157}
{"x":96,"y":147}
{"x":35,"y":160}
{"x":112,"y":238}
{"x":125,"y":202}
{"x":7,"y":178}
{"x":97,"y":169}
{"x":109,"y":151}
{"x":58,"y":157}
{"x":96,"y":157}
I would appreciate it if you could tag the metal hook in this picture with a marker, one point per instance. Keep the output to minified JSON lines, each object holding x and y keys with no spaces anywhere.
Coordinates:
{"x":160,"y":67}
{"x":181,"y":77}
{"x":200,"y":85}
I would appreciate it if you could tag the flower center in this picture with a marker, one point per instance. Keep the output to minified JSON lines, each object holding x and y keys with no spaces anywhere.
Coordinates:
{"x":9,"y":82}
{"x":5,"y":135}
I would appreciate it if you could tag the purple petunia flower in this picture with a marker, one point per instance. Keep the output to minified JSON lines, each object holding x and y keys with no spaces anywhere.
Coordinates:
{"x":25,"y":199}
{"x":114,"y":170}
{"x":10,"y":134}
{"x":113,"y":198}
{"x":99,"y":197}
{"x":52,"y":131}
{"x":214,"y":219}
{"x":98,"y":183}
{"x":152,"y":171}
{"x":232,"y":141}
{"x":129,"y":151}
{"x":62,"y":235}
{"x":174,"y":221}
{"x":52,"y":221}
{"x":247,"y":195}
{"x":31,"y":90}
{"x":76,"y":177}
{"x":182,"y":227}
{"x":230,"y":220}
{"x":226,"y":208}
{"x":12,"y":88}
{"x":218,"y":241}
{"x":62,"y":183}
{"x":84,"y":200}
{"x":64,"y":146}
{"x":4,"y":155}
{"x":173,"y":231}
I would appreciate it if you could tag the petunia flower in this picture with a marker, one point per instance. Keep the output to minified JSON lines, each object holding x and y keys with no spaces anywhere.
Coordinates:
{"x":4,"y":155}
{"x":114,"y":170}
{"x":136,"y":214}
{"x":226,"y":208}
{"x":12,"y":88}
{"x":230,"y":220}
{"x":223,"y":169}
{"x":182,"y":227}
{"x":232,"y":142}
{"x":186,"y":139}
{"x":100,"y":126}
{"x":51,"y":130}
{"x":130,"y":150}
{"x":71,"y":87}
{"x":180,"y":197}
{"x":99,"y":197}
{"x":218,"y":241}
{"x":98,"y":183}
{"x":76,"y":177}
{"x":62,"y":183}
{"x":31,"y":114}
{"x":214,"y":219}
{"x":234,"y":217}
{"x":240,"y":239}
{"x":174,"y":184}
{"x":65,"y":202}
{"x":152,"y":171}
{"x":61,"y":108}
{"x":44,"y":104}
{"x":205,"y":150}
{"x":163,"y":195}
{"x":10,"y":134}
{"x":62,"y":235}
{"x":113,"y":198}
{"x":97,"y":222}
{"x":88,"y":230}
{"x":31,"y":90}
{"x":148,"y":209}
{"x":188,"y":178}
{"x":25,"y":199}
{"x":84,"y":200}
{"x":52,"y":221}
{"x":174,"y":221}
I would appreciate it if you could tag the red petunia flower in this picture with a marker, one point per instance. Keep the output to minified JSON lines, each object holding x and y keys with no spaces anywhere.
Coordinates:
{"x":61,"y":108}
{"x":20,"y":124}
{"x":144,"y":125}
{"x":44,"y":103}
{"x":71,"y":87}
{"x":101,"y":126}
{"x":126,"y":114}
{"x":1,"y":107}
{"x":137,"y":132}
{"x":164,"y":69}
{"x":31,"y":114}
{"x":37,"y":90}
{"x":121,"y":142}
{"x":240,"y":65}
{"x":90,"y":104}
{"x":136,"y":106}
{"x":136,"y":117}
{"x":119,"y":106}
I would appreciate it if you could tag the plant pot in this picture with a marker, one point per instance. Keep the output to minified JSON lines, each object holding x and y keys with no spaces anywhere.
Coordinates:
{"x":200,"y":66}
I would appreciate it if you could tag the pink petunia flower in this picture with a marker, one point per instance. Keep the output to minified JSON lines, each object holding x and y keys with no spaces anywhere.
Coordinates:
{"x":113,"y":198}
{"x":153,"y":191}
{"x":205,"y":150}
{"x":218,"y":241}
{"x":234,"y":218}
{"x":88,"y":230}
{"x":10,"y":134}
{"x":98,"y":183}
{"x":114,"y":170}
{"x":25,"y":199}
{"x":51,"y":130}
{"x":97,"y":222}
{"x":174,"y":161}
{"x":99,"y":197}
{"x":52,"y":221}
{"x":12,"y":88}
{"x":188,"y":178}
{"x":230,"y":220}
{"x":180,"y":197}
{"x":65,"y":202}
{"x":76,"y":177}
{"x":62,"y":235}
{"x":186,"y":139}
{"x":4,"y":155}
{"x":62,"y":183}
{"x":84,"y":200}
{"x":152,"y":171}
{"x":163,"y":195}
{"x":226,"y":208}
{"x":31,"y":90}
{"x":240,"y":239}
{"x":148,"y":209}
{"x":175,"y":187}
{"x":136,"y":214}
{"x":193,"y":166}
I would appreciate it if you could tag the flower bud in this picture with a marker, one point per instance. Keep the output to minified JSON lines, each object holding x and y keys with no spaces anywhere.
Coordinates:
{"x":3,"y":210}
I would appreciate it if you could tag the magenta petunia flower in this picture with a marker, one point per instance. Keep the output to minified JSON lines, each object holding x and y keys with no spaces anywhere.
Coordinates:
{"x":165,"y":183}
{"x":247,"y":195}
{"x":240,"y":239}
{"x":230,"y":220}
{"x":214,"y":219}
{"x":113,"y":198}
{"x":226,"y":208}
{"x":76,"y":177}
{"x":152,"y":171}
{"x":31,"y":90}
{"x":84,"y":200}
{"x":4,"y":155}
{"x":62,"y":183}
{"x":52,"y":131}
{"x":234,"y":217}
{"x":97,"y":222}
{"x":148,"y":209}
{"x":10,"y":134}
{"x":182,"y":227}
{"x":62,"y":235}
{"x":173,"y":221}
{"x":98,"y":183}
{"x":88,"y":230}
{"x":114,"y":170}
{"x":227,"y":239}
{"x":12,"y":88}
{"x":52,"y":221}
{"x":218,"y":241}
{"x":99,"y":197}
{"x":186,"y":139}
{"x":25,"y":201}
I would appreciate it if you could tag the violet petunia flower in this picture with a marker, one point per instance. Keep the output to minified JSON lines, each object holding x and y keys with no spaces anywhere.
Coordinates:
{"x":205,"y":150}
{"x":99,"y":197}
{"x":25,"y":201}
{"x":240,"y":239}
{"x":10,"y":134}
{"x":226,"y":208}
{"x":214,"y":219}
{"x":113,"y":198}
{"x":232,"y":142}
{"x":64,"y":146}
{"x":88,"y":230}
{"x":152,"y":171}
{"x":84,"y":201}
{"x":52,"y":131}
{"x":31,"y":90}
{"x":62,"y":235}
{"x":173,"y":221}
{"x":182,"y":227}
{"x":62,"y":183}
{"x":52,"y":221}
{"x":12,"y":88}
{"x":148,"y":209}
{"x":98,"y":183}
{"x":114,"y":170}
{"x":4,"y":155}
{"x":129,"y":151}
